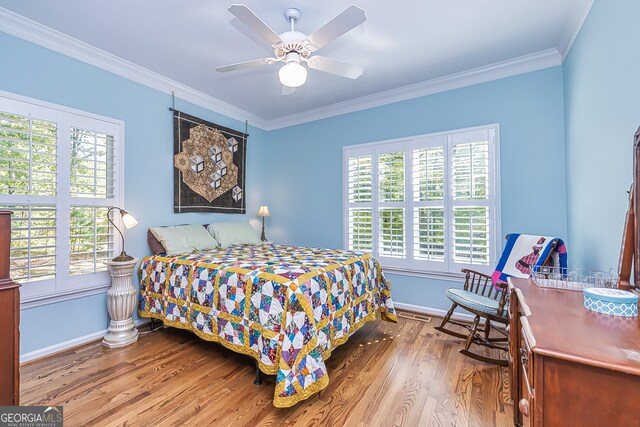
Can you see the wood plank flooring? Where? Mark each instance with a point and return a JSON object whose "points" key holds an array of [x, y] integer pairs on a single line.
{"points": [[404, 374]]}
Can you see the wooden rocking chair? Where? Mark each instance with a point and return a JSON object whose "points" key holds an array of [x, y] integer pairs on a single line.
{"points": [[480, 297]]}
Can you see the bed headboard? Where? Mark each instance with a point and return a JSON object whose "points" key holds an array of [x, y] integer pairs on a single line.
{"points": [[155, 246]]}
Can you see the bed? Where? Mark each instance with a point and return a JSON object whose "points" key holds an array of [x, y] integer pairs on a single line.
{"points": [[287, 307]]}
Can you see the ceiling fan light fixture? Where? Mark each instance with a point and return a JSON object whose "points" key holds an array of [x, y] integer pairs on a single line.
{"points": [[292, 74]]}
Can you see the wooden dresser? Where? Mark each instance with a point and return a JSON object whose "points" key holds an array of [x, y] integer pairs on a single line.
{"points": [[571, 366], [9, 321]]}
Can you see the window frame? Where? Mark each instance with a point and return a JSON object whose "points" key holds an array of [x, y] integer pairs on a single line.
{"points": [[447, 270], [65, 286]]}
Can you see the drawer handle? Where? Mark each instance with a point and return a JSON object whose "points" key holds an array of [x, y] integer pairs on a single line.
{"points": [[524, 407], [524, 355]]}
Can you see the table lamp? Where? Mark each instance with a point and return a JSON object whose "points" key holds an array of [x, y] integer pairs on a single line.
{"points": [[264, 211], [129, 222]]}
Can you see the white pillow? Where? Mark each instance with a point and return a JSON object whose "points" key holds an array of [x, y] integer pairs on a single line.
{"points": [[182, 239], [231, 233]]}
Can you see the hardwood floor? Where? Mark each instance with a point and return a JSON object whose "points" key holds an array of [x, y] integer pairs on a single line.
{"points": [[404, 374]]}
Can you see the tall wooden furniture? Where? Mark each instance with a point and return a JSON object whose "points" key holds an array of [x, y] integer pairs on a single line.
{"points": [[630, 250], [9, 321], [569, 365]]}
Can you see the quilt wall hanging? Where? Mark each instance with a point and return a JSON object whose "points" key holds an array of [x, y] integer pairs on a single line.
{"points": [[209, 166]]}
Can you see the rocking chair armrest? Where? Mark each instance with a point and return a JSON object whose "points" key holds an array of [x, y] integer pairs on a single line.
{"points": [[501, 285]]}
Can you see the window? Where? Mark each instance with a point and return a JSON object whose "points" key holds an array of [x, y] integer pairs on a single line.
{"points": [[425, 204], [59, 173]]}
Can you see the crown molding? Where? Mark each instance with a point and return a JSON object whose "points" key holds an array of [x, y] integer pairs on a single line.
{"points": [[572, 32], [499, 70], [34, 32]]}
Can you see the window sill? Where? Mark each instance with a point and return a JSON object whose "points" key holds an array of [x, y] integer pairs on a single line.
{"points": [[436, 275], [40, 300]]}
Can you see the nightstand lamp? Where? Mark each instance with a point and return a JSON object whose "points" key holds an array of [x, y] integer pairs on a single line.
{"points": [[129, 222], [121, 297], [264, 211]]}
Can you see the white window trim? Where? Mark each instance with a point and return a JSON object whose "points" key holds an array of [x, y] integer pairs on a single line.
{"points": [[66, 287], [377, 147]]}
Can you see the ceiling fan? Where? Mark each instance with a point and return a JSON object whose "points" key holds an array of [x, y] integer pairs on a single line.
{"points": [[294, 47]]}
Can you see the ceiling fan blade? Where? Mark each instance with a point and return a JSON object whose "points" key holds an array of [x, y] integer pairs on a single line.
{"points": [[251, 20], [347, 20], [286, 90], [246, 64], [333, 66]]}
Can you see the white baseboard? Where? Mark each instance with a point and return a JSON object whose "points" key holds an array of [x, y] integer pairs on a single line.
{"points": [[433, 311], [66, 345]]}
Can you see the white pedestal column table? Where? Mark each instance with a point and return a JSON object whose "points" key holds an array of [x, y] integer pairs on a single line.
{"points": [[121, 301]]}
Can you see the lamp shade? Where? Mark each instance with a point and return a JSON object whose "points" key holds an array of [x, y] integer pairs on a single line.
{"points": [[128, 220], [264, 211], [293, 74]]}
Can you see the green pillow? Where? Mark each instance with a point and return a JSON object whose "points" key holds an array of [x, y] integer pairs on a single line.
{"points": [[232, 233], [182, 239]]}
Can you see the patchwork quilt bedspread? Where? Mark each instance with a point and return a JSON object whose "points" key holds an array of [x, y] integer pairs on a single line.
{"points": [[288, 307]]}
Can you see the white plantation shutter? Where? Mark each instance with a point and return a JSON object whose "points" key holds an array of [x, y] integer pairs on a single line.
{"points": [[91, 240], [471, 235], [59, 173], [428, 200], [360, 229], [92, 164], [470, 193], [391, 233], [391, 216], [470, 171], [429, 234], [360, 184], [391, 177], [360, 196], [27, 156], [424, 204], [92, 182], [33, 242], [428, 174], [28, 165]]}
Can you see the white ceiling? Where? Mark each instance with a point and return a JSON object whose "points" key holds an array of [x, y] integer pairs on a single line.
{"points": [[402, 42]]}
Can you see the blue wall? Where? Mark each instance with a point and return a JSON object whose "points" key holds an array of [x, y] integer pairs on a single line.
{"points": [[42, 74], [305, 163], [602, 113]]}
